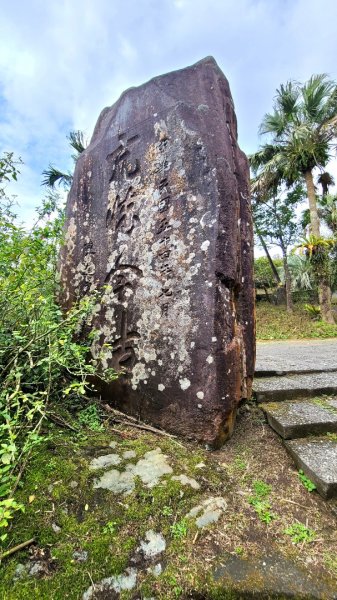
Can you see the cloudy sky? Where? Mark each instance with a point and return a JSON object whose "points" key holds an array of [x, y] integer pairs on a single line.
{"points": [[62, 62]]}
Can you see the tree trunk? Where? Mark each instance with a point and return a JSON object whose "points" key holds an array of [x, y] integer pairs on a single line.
{"points": [[314, 219], [272, 266], [324, 291], [324, 295], [287, 280]]}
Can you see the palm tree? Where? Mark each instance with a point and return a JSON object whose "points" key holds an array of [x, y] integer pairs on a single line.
{"points": [[303, 130], [53, 175]]}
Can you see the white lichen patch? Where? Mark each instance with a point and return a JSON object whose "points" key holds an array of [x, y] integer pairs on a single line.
{"points": [[209, 359], [184, 383], [108, 460], [200, 395], [209, 511], [155, 544], [161, 387], [116, 482], [151, 468], [204, 246], [126, 581], [129, 454], [184, 480]]}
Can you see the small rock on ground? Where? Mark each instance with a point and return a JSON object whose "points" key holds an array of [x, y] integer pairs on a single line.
{"points": [[209, 511], [127, 581], [154, 545]]}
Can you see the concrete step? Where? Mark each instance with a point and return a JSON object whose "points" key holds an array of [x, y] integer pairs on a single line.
{"points": [[287, 387], [317, 457], [301, 418], [295, 356]]}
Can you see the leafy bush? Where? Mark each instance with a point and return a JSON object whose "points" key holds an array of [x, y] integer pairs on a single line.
{"points": [[263, 274], [41, 359]]}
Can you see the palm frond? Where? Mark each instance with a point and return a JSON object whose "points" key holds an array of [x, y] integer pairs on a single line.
{"points": [[287, 98], [315, 92], [53, 176], [77, 141]]}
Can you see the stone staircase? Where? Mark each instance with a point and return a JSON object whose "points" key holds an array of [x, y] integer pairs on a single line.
{"points": [[296, 387]]}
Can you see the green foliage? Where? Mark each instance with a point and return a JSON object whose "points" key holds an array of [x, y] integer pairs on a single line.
{"points": [[53, 176], [260, 502], [110, 527], [167, 511], [318, 251], [274, 323], [275, 217], [263, 275], [179, 529], [42, 359], [313, 311], [8, 506], [90, 417], [261, 489], [299, 533], [301, 131], [300, 272], [308, 484], [8, 167]]}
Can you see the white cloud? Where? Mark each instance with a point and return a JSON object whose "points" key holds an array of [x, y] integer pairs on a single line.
{"points": [[62, 62]]}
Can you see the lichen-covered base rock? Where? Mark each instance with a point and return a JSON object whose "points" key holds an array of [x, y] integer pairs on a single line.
{"points": [[158, 218]]}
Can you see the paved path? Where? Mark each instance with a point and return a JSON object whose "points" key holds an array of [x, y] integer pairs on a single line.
{"points": [[296, 372], [291, 356]]}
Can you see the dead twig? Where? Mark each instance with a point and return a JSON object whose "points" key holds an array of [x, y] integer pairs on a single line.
{"points": [[292, 502], [17, 548], [60, 421], [129, 421], [119, 413]]}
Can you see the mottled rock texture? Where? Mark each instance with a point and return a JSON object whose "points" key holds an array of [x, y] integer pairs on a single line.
{"points": [[159, 212]]}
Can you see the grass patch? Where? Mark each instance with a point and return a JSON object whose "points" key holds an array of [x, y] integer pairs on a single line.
{"points": [[275, 323]]}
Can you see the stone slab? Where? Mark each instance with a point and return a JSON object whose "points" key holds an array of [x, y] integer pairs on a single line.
{"points": [[296, 356], [287, 387], [301, 418], [270, 577], [159, 219], [318, 459]]}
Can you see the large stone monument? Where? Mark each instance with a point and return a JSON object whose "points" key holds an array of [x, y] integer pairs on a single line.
{"points": [[159, 214]]}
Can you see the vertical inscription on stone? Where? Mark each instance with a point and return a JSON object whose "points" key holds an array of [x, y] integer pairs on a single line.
{"points": [[157, 211], [165, 247], [123, 218]]}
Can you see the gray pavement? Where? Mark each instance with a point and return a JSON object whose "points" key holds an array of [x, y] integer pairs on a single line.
{"points": [[296, 356], [302, 385]]}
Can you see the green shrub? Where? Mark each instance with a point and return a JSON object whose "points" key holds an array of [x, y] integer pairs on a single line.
{"points": [[41, 361]]}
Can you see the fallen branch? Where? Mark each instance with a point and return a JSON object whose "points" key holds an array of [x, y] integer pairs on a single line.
{"points": [[119, 413], [60, 421], [129, 421], [17, 548], [292, 502]]}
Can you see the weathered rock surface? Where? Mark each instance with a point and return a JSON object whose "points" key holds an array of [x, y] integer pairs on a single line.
{"points": [[159, 213]]}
